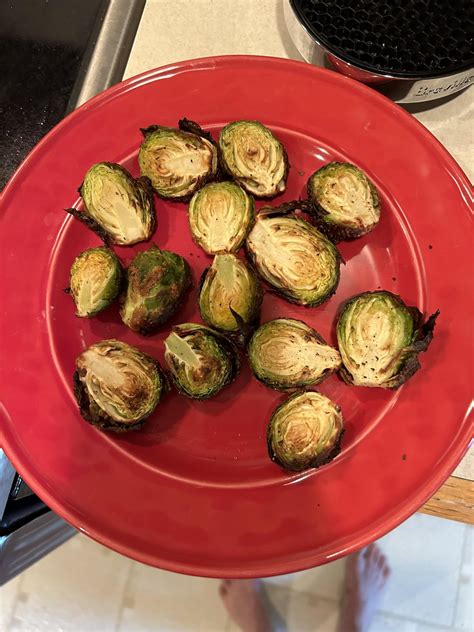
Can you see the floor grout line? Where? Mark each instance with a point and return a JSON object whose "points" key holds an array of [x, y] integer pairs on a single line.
{"points": [[467, 534], [398, 617], [309, 593], [15, 603], [126, 586], [314, 595]]}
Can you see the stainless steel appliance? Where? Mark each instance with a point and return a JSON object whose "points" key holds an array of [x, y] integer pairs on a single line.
{"points": [[412, 50]]}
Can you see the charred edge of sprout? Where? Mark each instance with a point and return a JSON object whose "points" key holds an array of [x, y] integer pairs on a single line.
{"points": [[338, 232], [421, 342], [91, 224], [291, 299], [202, 278], [287, 208], [185, 199], [190, 127], [185, 125], [245, 330], [335, 233], [100, 419], [274, 384], [307, 207], [422, 336], [311, 210], [264, 198], [318, 461], [145, 191], [268, 198], [229, 346], [146, 131], [230, 349]]}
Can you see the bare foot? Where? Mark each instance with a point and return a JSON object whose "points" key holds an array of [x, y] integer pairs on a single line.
{"points": [[244, 600], [367, 572]]}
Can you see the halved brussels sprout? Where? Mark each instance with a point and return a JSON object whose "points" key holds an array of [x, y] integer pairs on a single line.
{"points": [[201, 361], [230, 296], [254, 158], [116, 206], [379, 338], [157, 282], [95, 280], [177, 162], [293, 256], [305, 431], [286, 354], [117, 386], [346, 203], [220, 217]]}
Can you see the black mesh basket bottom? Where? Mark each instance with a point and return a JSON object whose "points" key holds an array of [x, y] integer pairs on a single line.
{"points": [[404, 38]]}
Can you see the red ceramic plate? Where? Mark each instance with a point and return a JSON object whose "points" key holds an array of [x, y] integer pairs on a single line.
{"points": [[195, 491]]}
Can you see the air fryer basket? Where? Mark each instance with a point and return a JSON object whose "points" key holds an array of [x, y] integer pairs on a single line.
{"points": [[392, 39]]}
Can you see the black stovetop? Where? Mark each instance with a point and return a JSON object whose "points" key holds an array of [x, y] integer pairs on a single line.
{"points": [[44, 46]]}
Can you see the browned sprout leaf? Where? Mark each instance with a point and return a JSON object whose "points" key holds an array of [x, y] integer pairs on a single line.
{"points": [[305, 431], [117, 386], [345, 202], [379, 339]]}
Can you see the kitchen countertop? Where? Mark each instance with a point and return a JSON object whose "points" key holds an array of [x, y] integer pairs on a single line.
{"points": [[247, 27]]}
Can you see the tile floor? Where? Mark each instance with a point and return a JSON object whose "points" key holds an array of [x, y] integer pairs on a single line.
{"points": [[84, 587]]}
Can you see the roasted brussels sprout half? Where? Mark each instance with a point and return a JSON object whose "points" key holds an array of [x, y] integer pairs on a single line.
{"points": [[116, 206], [201, 361], [299, 262], [220, 217], [379, 338], [346, 203], [254, 158], [95, 281], [177, 162], [230, 296], [156, 284], [305, 431], [117, 386], [287, 354]]}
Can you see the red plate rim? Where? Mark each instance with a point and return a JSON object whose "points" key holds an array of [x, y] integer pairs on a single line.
{"points": [[380, 527], [200, 62]]}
